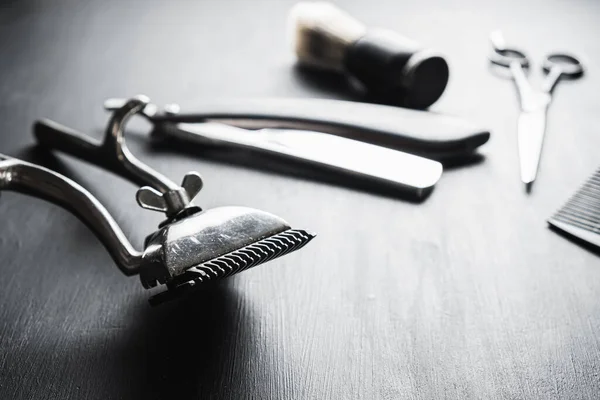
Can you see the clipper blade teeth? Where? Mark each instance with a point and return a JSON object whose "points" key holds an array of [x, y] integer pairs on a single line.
{"points": [[236, 261]]}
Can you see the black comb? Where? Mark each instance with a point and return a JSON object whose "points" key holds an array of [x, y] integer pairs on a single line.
{"points": [[580, 216]]}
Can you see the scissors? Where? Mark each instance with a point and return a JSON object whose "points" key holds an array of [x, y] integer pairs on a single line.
{"points": [[534, 102]]}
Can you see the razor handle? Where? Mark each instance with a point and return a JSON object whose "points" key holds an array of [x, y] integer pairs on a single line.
{"points": [[428, 134]]}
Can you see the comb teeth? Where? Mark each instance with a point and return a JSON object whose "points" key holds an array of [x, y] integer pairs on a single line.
{"points": [[236, 261], [580, 216]]}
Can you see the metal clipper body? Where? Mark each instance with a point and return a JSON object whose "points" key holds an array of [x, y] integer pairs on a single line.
{"points": [[190, 247]]}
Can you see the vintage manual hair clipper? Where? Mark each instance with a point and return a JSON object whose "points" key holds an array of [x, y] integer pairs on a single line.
{"points": [[190, 247]]}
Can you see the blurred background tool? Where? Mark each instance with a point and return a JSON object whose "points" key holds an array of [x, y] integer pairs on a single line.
{"points": [[380, 166], [534, 102], [391, 67], [580, 216]]}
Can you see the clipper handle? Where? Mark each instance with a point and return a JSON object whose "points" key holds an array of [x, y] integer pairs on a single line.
{"points": [[112, 154], [23, 177], [52, 135], [157, 192]]}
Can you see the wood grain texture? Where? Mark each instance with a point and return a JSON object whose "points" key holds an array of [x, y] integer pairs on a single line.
{"points": [[467, 295]]}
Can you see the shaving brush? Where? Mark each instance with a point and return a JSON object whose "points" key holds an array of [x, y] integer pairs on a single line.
{"points": [[390, 66]]}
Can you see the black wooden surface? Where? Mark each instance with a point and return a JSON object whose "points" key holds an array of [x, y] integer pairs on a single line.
{"points": [[467, 295]]}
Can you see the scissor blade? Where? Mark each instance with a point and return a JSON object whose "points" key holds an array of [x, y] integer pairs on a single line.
{"points": [[532, 125]]}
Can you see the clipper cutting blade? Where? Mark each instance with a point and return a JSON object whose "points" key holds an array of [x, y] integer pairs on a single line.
{"points": [[236, 261]]}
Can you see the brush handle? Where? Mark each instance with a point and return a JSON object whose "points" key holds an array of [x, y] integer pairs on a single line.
{"points": [[397, 70], [428, 134]]}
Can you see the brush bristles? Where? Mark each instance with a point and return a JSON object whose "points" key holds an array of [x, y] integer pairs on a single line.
{"points": [[321, 34], [237, 261]]}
